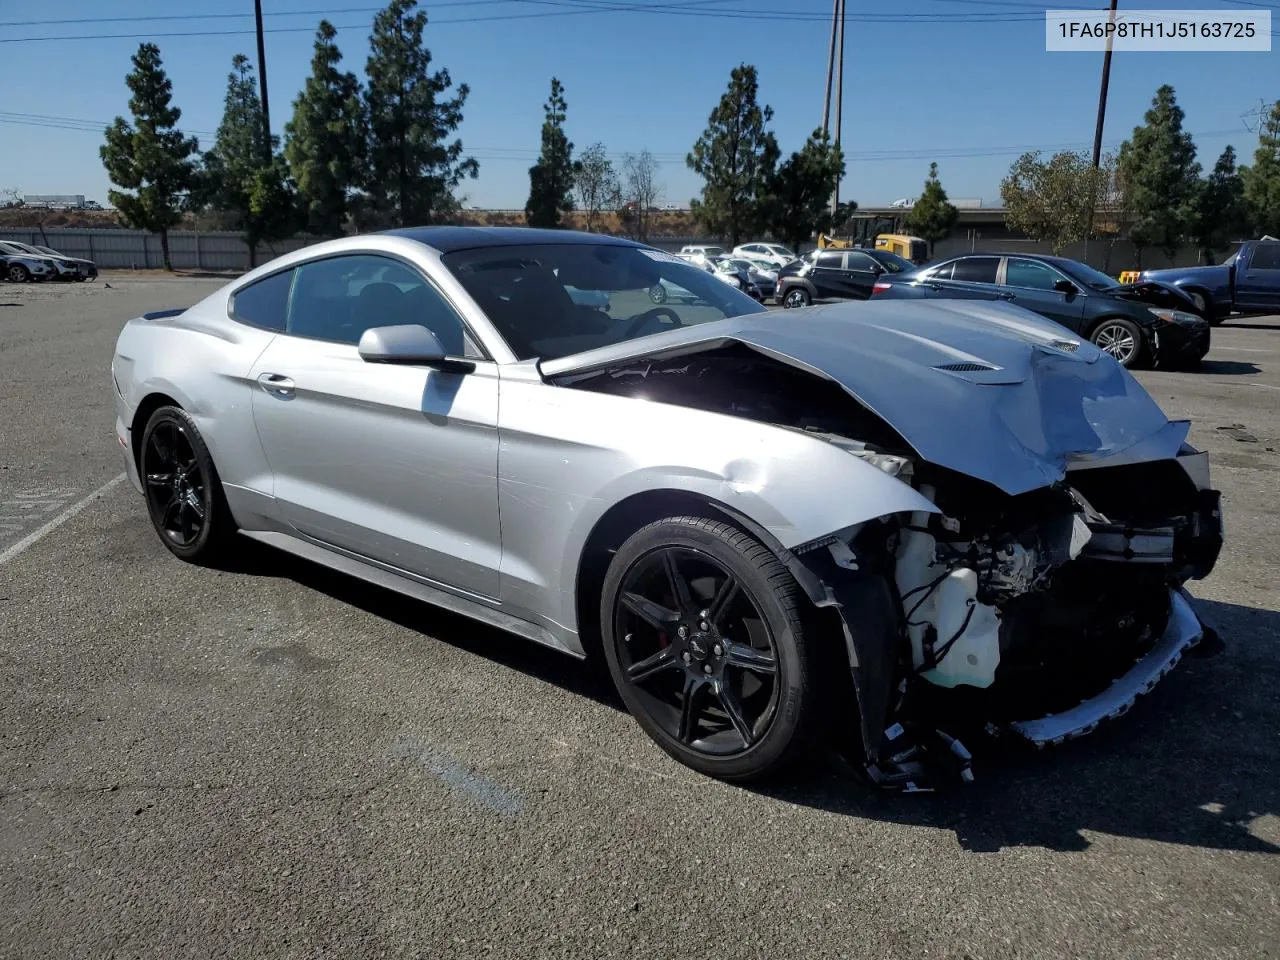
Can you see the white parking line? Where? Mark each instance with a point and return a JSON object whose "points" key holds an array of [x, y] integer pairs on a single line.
{"points": [[1217, 347], [1264, 386], [40, 532]]}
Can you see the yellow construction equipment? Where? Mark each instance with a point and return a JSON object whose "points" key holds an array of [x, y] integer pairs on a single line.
{"points": [[831, 243], [909, 248], [1129, 276]]}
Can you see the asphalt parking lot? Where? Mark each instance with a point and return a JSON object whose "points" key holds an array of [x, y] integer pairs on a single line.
{"points": [[277, 762]]}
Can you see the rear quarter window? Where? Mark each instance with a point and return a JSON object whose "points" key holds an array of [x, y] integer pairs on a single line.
{"points": [[265, 303]]}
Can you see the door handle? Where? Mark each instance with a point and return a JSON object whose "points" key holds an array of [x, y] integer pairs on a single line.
{"points": [[277, 385], [1005, 296], [935, 286]]}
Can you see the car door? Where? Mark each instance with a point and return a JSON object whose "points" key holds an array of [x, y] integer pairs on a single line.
{"points": [[395, 464], [1030, 284], [861, 272], [828, 274], [1258, 284]]}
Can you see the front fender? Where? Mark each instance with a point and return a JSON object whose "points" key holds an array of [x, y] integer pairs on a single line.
{"points": [[568, 457]]}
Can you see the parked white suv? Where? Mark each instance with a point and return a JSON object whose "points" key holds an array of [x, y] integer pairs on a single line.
{"points": [[775, 253], [700, 253]]}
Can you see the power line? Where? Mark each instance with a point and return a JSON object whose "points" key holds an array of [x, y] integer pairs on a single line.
{"points": [[582, 7]]}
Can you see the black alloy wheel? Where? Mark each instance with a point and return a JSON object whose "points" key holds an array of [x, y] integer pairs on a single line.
{"points": [[184, 499], [704, 641], [795, 298]]}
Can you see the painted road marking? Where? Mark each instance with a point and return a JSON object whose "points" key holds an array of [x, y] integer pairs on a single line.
{"points": [[19, 510], [42, 531]]}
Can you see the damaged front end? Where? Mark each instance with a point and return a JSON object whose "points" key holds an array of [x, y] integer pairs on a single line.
{"points": [[1036, 616]]}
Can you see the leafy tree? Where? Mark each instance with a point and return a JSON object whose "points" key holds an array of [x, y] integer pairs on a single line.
{"points": [[551, 178], [1218, 212], [932, 216], [150, 156], [596, 184], [1162, 176], [325, 140], [1053, 200], [640, 192], [799, 197], [1262, 180], [256, 193], [736, 157], [413, 168]]}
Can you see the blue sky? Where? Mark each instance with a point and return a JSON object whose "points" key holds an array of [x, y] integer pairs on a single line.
{"points": [[938, 84]]}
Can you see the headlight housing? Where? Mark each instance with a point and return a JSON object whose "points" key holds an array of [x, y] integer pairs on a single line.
{"points": [[1169, 315]]}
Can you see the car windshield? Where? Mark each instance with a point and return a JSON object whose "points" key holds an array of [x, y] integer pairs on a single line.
{"points": [[524, 290], [25, 247], [893, 262], [1087, 275], [47, 250]]}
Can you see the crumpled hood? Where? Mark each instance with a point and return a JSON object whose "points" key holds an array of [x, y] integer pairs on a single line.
{"points": [[985, 388]]}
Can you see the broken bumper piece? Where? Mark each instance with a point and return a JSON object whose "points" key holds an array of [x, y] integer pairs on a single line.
{"points": [[1183, 632]]}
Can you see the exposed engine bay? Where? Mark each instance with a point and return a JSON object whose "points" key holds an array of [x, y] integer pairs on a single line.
{"points": [[1036, 615]]}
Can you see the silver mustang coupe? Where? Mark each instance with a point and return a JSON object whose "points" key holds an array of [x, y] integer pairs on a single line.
{"points": [[878, 525]]}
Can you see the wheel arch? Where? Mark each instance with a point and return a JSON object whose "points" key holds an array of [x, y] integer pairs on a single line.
{"points": [[146, 407]]}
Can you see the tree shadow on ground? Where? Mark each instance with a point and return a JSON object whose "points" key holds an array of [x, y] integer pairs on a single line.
{"points": [[1195, 762]]}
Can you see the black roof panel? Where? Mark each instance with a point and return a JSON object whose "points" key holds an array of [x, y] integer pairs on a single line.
{"points": [[449, 239]]}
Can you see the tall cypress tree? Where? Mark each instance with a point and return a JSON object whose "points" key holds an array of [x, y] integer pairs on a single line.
{"points": [[551, 178], [1161, 176], [325, 139], [150, 156], [413, 167], [933, 215], [256, 193], [1262, 180], [735, 156]]}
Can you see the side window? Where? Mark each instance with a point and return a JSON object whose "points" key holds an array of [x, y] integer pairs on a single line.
{"points": [[264, 304], [1029, 273], [1266, 256], [339, 298], [860, 261], [830, 260], [941, 273], [976, 269]]}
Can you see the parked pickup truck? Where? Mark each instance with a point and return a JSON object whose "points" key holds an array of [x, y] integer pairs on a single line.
{"points": [[1248, 281]]}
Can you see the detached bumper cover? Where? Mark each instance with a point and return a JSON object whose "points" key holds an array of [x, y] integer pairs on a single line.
{"points": [[1182, 633]]}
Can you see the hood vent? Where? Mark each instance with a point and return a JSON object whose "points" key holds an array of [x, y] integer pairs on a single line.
{"points": [[1066, 346], [965, 367]]}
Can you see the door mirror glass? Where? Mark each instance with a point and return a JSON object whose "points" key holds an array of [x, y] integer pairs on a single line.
{"points": [[1065, 286], [408, 343]]}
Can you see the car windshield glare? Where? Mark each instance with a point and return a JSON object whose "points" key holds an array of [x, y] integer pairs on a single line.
{"points": [[1089, 276], [553, 300]]}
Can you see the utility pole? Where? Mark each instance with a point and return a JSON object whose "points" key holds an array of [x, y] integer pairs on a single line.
{"points": [[839, 21], [831, 64], [262, 84], [1102, 114]]}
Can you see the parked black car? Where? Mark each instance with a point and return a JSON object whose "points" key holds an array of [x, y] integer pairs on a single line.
{"points": [[1137, 323], [850, 274]]}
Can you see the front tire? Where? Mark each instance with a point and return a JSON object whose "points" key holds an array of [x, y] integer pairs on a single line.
{"points": [[658, 293], [796, 297], [1122, 339], [704, 639], [184, 496], [18, 273]]}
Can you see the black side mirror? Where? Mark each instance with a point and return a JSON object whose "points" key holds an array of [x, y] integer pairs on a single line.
{"points": [[1066, 286]]}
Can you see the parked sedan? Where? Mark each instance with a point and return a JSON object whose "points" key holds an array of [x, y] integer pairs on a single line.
{"points": [[21, 266], [826, 274], [776, 531], [1137, 323], [88, 270], [64, 268], [759, 283], [774, 253]]}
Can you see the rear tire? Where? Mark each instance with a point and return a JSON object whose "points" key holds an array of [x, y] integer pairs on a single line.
{"points": [[658, 293], [704, 639], [184, 495]]}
